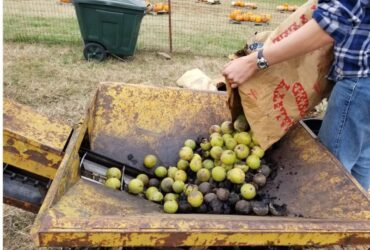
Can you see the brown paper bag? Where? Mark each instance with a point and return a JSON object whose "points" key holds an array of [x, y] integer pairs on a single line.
{"points": [[275, 98]]}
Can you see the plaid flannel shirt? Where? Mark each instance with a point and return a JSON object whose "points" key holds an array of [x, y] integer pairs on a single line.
{"points": [[348, 22]]}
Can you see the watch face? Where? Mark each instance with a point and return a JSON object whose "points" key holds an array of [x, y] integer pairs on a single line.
{"points": [[261, 65], [261, 61]]}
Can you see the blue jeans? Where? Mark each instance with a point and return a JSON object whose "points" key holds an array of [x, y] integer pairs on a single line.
{"points": [[345, 130]]}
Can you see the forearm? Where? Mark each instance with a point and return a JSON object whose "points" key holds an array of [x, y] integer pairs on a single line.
{"points": [[306, 39]]}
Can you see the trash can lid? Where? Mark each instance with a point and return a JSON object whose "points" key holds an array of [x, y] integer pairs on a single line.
{"points": [[128, 4]]}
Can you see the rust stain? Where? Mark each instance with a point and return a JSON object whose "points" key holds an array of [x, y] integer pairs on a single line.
{"points": [[21, 204], [106, 101], [183, 239], [7, 118], [47, 148], [11, 149], [354, 240], [81, 240], [10, 141], [38, 157], [55, 165]]}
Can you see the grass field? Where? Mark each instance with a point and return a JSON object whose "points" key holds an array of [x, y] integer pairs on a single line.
{"points": [[198, 28], [57, 81]]}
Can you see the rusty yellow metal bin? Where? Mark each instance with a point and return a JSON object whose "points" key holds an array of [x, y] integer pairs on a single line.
{"points": [[32, 141], [33, 148], [125, 122]]}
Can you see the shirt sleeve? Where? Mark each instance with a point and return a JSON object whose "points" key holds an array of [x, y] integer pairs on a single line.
{"points": [[335, 18], [365, 3]]}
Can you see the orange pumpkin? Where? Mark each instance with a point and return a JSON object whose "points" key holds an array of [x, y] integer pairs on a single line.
{"points": [[159, 6], [166, 7], [239, 18], [252, 18], [234, 13], [156, 8], [245, 17], [264, 18], [258, 19]]}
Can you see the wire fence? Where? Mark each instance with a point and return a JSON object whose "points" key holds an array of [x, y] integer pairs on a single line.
{"points": [[198, 27]]}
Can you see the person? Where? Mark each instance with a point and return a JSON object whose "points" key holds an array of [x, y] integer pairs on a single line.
{"points": [[345, 129]]}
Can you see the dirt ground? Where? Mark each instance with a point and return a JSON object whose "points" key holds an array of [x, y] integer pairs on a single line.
{"points": [[58, 82]]}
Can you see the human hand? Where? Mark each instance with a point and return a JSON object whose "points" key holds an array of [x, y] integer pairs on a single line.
{"points": [[238, 71]]}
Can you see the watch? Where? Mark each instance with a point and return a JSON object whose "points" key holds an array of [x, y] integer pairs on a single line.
{"points": [[261, 61]]}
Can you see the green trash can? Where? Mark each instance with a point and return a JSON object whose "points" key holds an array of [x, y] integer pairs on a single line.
{"points": [[109, 26]]}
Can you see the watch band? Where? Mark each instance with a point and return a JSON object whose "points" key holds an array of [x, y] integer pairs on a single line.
{"points": [[260, 54]]}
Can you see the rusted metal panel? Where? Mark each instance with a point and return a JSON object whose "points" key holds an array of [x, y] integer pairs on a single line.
{"points": [[312, 182], [30, 207], [32, 141], [67, 175], [131, 121], [309, 180], [90, 116], [27, 156], [177, 239], [92, 215], [37, 128]]}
